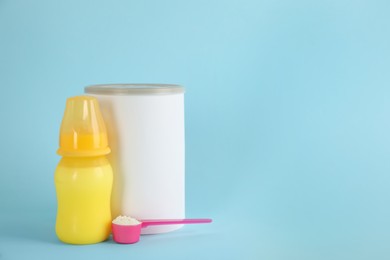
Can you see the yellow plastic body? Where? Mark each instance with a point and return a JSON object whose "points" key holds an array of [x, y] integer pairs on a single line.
{"points": [[83, 186]]}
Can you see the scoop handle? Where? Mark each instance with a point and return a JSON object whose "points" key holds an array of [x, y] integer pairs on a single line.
{"points": [[155, 222]]}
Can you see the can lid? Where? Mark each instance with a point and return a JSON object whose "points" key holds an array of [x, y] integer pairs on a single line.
{"points": [[134, 89]]}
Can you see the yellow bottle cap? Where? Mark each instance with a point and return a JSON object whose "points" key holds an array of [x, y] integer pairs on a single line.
{"points": [[83, 132]]}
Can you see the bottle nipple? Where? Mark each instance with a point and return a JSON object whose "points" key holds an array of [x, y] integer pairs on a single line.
{"points": [[82, 131]]}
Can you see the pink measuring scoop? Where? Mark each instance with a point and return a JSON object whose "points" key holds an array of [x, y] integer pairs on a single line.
{"points": [[129, 234]]}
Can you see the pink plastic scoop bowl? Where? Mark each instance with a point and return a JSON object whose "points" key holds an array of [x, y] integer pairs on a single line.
{"points": [[129, 234]]}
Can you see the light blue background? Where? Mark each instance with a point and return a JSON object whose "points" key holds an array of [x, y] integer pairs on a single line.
{"points": [[287, 120]]}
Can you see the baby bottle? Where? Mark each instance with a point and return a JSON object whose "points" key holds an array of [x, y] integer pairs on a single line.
{"points": [[83, 178]]}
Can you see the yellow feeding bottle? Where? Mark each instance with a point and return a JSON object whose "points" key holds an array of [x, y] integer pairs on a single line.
{"points": [[83, 177]]}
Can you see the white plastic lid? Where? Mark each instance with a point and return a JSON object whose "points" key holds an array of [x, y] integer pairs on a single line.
{"points": [[134, 89]]}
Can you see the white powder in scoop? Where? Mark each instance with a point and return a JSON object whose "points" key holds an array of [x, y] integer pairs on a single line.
{"points": [[125, 221]]}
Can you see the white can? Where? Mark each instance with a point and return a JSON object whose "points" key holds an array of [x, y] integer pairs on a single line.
{"points": [[145, 124]]}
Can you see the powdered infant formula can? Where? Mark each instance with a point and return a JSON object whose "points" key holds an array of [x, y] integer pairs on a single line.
{"points": [[145, 125]]}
